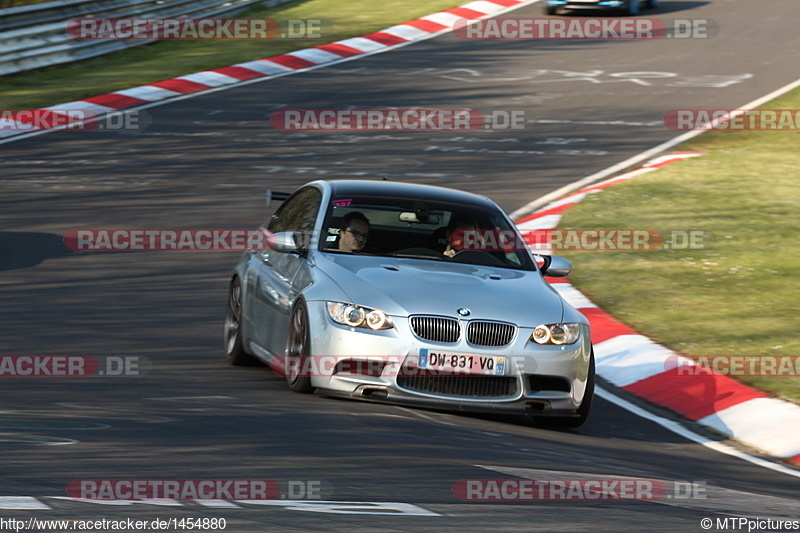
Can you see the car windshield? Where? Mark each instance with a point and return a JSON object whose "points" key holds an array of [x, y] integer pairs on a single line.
{"points": [[422, 229]]}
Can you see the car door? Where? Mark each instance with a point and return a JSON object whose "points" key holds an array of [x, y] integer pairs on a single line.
{"points": [[275, 291]]}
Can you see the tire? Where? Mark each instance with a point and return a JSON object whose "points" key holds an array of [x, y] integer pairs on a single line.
{"points": [[633, 7], [550, 10], [652, 4], [234, 349], [583, 411], [297, 345]]}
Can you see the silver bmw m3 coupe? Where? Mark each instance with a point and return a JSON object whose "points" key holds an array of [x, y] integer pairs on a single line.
{"points": [[414, 295]]}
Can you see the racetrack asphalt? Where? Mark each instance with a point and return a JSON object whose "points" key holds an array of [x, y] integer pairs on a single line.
{"points": [[205, 162]]}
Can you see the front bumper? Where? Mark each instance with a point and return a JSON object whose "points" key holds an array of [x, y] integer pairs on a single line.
{"points": [[523, 406], [531, 366]]}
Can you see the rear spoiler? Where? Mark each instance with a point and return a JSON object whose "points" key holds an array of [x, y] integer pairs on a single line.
{"points": [[277, 196]]}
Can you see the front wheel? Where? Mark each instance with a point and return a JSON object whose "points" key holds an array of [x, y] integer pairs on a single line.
{"points": [[550, 10], [297, 347]]}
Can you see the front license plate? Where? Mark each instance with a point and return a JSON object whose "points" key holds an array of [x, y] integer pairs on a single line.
{"points": [[462, 363]]}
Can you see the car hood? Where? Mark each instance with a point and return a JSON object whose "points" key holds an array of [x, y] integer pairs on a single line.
{"points": [[402, 287]]}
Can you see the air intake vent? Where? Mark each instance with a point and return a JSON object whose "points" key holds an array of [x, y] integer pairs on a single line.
{"points": [[539, 382], [461, 385]]}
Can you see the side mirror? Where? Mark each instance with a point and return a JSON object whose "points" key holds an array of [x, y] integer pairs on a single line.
{"points": [[285, 241], [556, 266]]}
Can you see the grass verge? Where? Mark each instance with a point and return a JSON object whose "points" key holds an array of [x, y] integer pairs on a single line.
{"points": [[738, 297], [5, 4], [168, 59]]}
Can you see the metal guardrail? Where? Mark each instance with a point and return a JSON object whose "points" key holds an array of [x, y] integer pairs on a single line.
{"points": [[35, 36]]}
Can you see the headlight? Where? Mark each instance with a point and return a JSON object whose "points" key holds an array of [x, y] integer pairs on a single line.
{"points": [[556, 333], [359, 317]]}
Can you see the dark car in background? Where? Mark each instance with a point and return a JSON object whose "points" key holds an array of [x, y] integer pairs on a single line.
{"points": [[629, 7]]}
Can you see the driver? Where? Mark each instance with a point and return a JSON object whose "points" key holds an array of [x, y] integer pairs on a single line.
{"points": [[353, 232]]}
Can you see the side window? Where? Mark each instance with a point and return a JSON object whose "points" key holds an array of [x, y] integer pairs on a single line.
{"points": [[299, 212]]}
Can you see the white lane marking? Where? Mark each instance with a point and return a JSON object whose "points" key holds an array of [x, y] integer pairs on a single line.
{"points": [[21, 503], [145, 501], [686, 433], [314, 506]]}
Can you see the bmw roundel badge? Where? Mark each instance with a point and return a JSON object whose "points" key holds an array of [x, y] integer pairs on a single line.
{"points": [[463, 311]]}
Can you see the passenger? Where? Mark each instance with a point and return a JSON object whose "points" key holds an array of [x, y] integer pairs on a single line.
{"points": [[456, 230]]}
